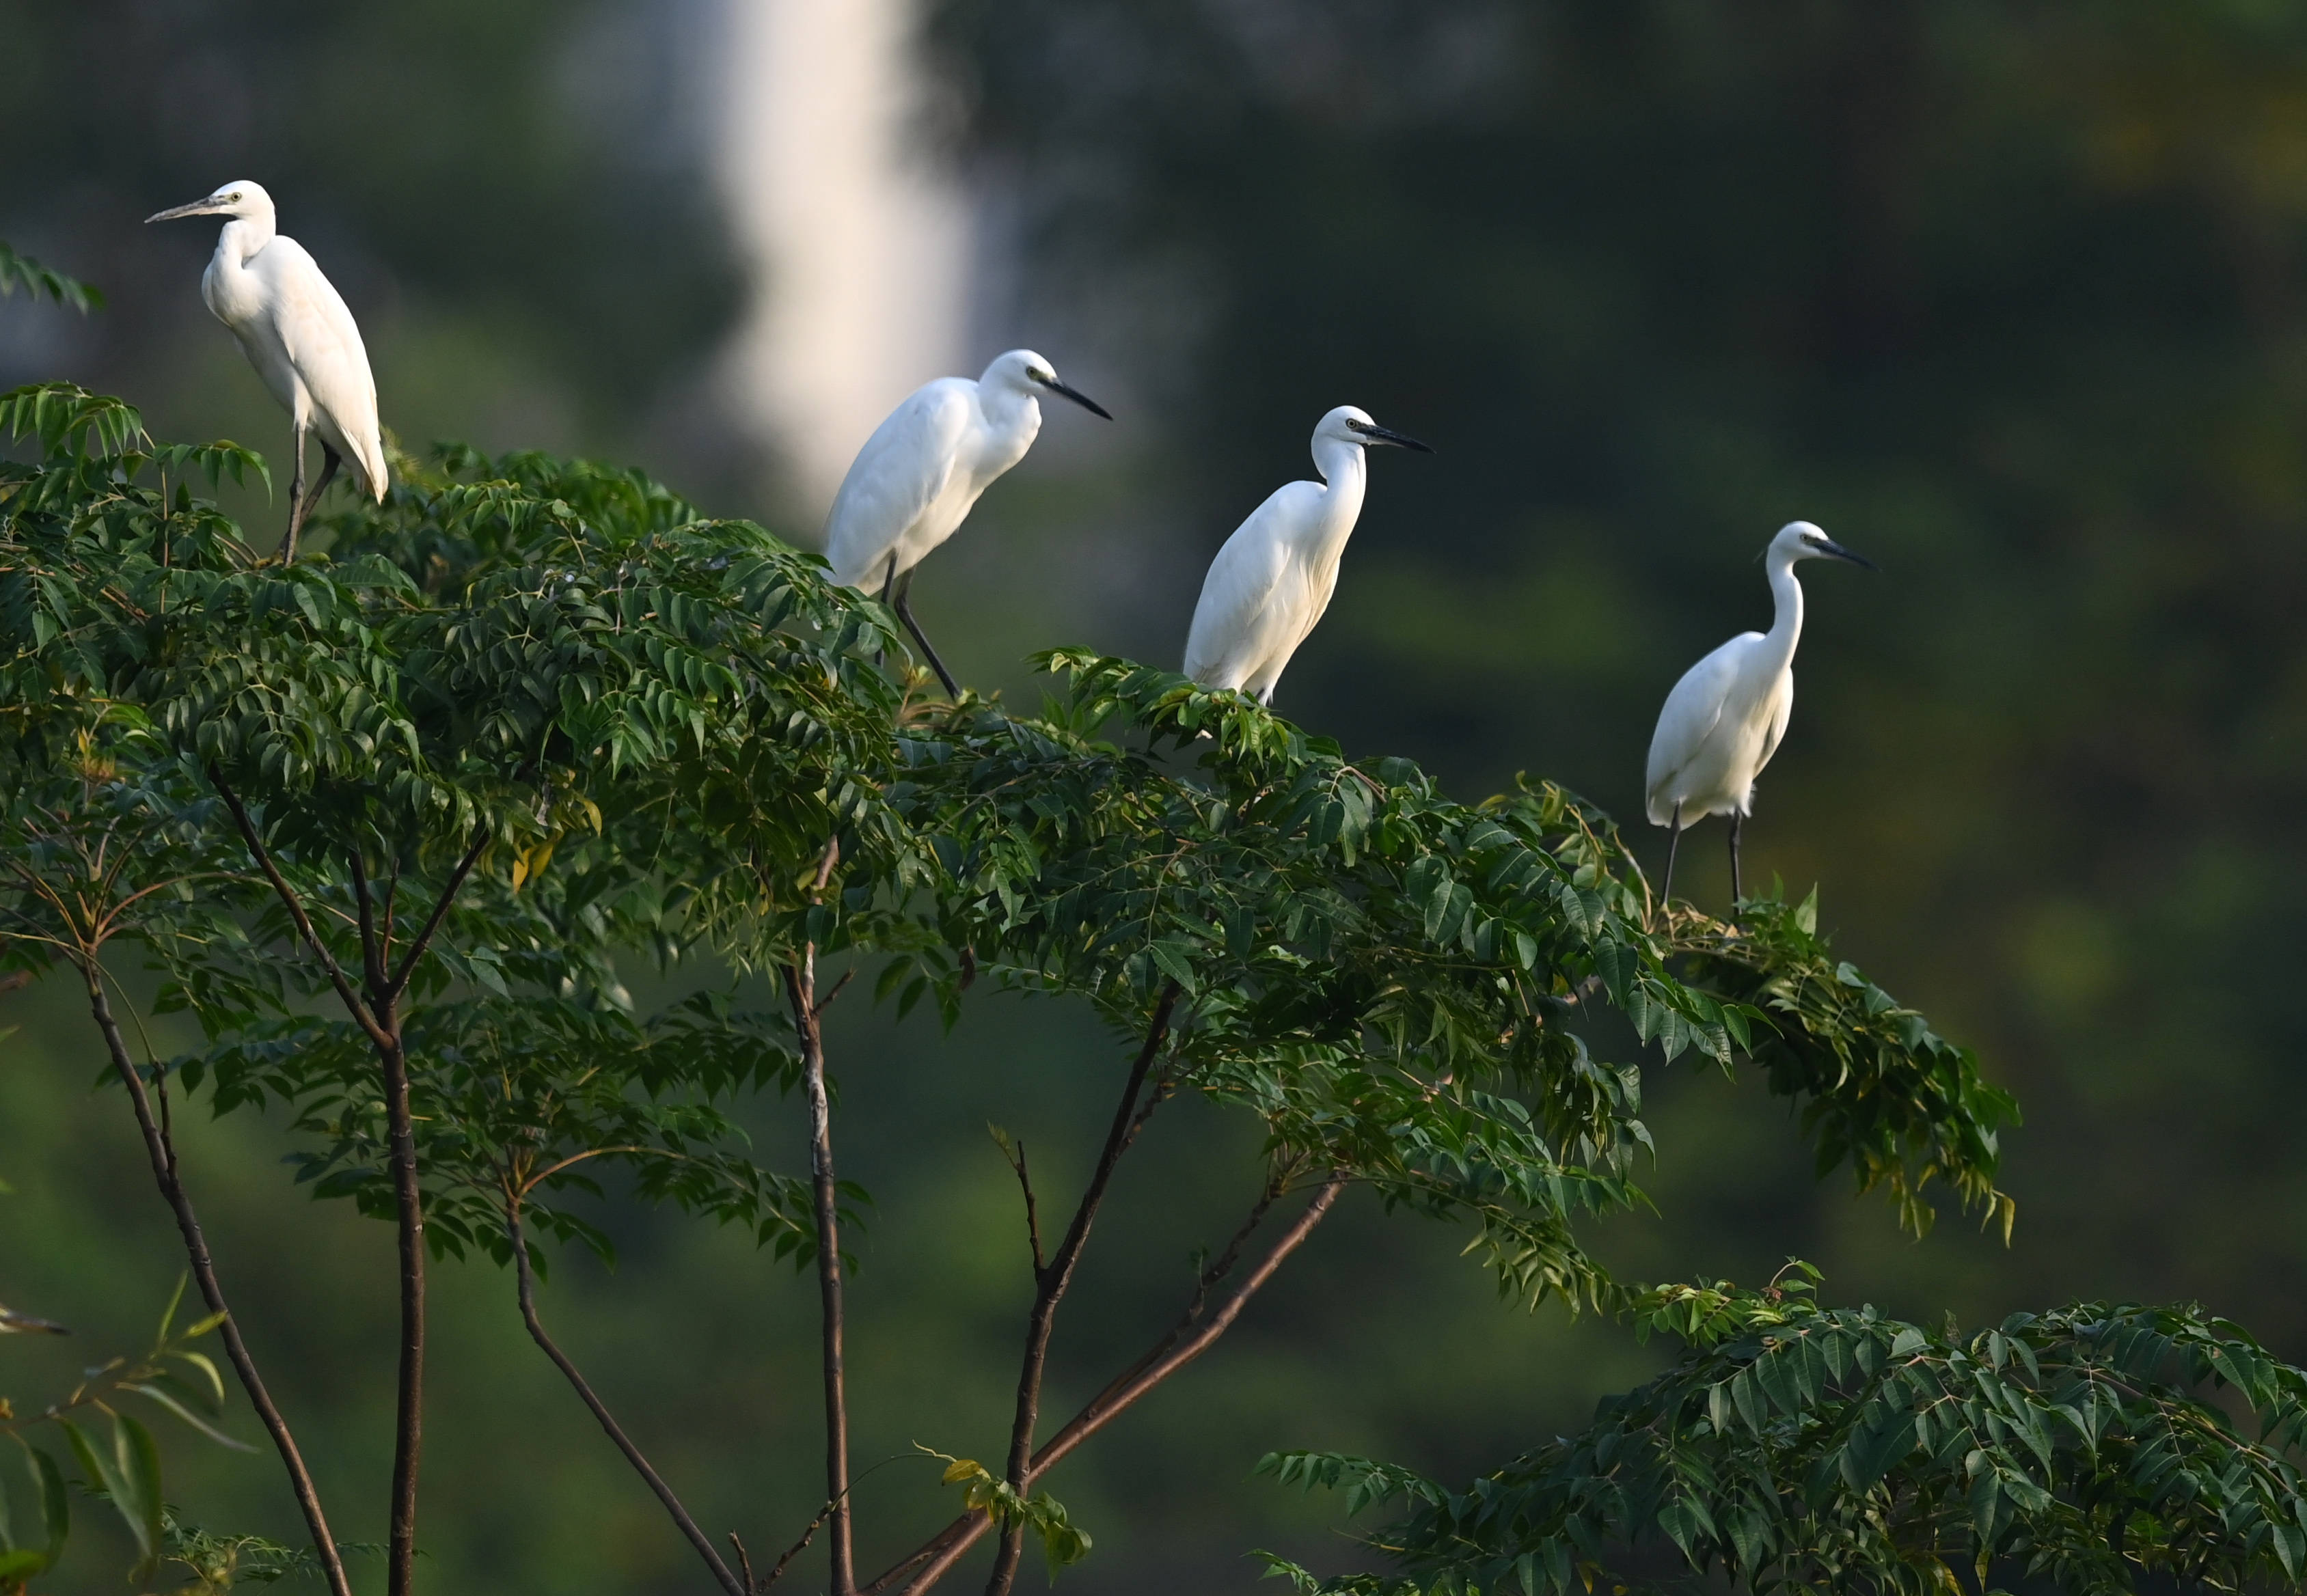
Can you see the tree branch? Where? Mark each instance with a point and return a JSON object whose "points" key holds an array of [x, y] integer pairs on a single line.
{"points": [[423, 939], [287, 895], [383, 1030], [801, 992], [371, 956], [160, 1149], [409, 1213], [687, 1525], [1186, 1341], [794, 1551], [1033, 1216], [1050, 1280]]}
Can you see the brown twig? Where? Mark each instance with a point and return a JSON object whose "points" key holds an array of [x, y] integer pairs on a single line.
{"points": [[688, 1526], [1016, 1160], [379, 1018], [1051, 1279], [1186, 1341], [795, 1549], [289, 901], [801, 992], [825, 1001], [160, 1149], [423, 939]]}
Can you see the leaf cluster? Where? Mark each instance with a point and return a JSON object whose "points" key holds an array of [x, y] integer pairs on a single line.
{"points": [[1399, 984], [1904, 1105], [23, 271], [1063, 1543], [172, 1376], [1804, 1448]]}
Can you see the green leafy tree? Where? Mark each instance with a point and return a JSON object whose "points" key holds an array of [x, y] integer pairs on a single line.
{"points": [[393, 824], [1804, 1448]]}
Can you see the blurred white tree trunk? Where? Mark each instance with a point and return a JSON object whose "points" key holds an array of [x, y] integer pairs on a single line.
{"points": [[860, 249]]}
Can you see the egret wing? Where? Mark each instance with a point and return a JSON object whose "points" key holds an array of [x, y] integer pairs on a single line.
{"points": [[1691, 711], [1782, 709], [323, 345], [1237, 618], [903, 469]]}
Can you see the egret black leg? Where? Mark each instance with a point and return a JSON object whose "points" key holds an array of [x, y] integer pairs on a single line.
{"points": [[1673, 842], [1737, 891], [888, 586], [905, 614], [295, 499], [330, 464]]}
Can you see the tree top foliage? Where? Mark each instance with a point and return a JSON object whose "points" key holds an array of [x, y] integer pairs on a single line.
{"points": [[641, 730], [1799, 1447], [427, 798]]}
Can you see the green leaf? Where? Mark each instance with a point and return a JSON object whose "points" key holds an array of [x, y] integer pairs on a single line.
{"points": [[140, 1499], [56, 1503]]}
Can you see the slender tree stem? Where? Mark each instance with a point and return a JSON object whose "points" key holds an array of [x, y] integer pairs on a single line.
{"points": [[801, 992], [380, 1019], [301, 920], [1051, 1279], [688, 1526], [423, 939], [408, 1204], [160, 1148], [1187, 1340]]}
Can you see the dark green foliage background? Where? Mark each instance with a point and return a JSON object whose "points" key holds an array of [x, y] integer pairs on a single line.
{"points": [[2003, 295]]}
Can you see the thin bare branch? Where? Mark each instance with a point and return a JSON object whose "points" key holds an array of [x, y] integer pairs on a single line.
{"points": [[795, 1549], [303, 921], [687, 1525], [1016, 1160], [423, 939], [372, 954], [801, 992], [1051, 1279], [160, 1149], [1187, 1340], [825, 1001]]}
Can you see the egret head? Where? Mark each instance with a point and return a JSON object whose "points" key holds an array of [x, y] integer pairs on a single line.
{"points": [[240, 201], [1800, 540], [1350, 424], [1021, 371]]}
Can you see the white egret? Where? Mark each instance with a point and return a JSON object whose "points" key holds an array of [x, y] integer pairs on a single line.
{"points": [[296, 330], [1723, 720], [1273, 578], [914, 482]]}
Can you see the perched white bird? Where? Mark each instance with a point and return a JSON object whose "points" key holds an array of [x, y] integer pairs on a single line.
{"points": [[1273, 578], [293, 326], [1723, 720], [914, 482]]}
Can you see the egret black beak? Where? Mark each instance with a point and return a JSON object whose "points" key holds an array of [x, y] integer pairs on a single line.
{"points": [[1385, 435], [207, 207], [1827, 545], [1075, 394]]}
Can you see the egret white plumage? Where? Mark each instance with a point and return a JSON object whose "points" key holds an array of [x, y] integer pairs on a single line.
{"points": [[919, 474], [1273, 578], [1723, 720], [295, 329]]}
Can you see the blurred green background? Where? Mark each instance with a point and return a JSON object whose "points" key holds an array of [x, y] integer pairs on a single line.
{"points": [[2006, 295]]}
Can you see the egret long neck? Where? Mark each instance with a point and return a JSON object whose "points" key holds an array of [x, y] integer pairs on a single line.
{"points": [[1345, 467], [1786, 624], [242, 238]]}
